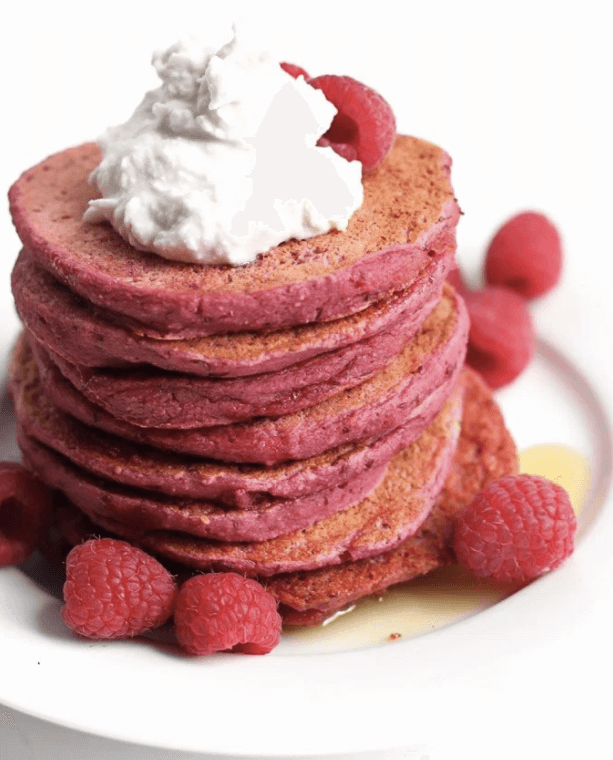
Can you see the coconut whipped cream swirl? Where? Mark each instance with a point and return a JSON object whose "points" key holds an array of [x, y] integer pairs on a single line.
{"points": [[220, 163]]}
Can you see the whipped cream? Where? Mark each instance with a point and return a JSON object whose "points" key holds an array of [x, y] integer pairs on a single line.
{"points": [[220, 163]]}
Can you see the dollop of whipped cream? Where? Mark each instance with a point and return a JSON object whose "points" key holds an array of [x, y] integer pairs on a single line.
{"points": [[220, 163]]}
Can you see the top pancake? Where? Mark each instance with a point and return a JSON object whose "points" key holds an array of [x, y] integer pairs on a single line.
{"points": [[407, 222]]}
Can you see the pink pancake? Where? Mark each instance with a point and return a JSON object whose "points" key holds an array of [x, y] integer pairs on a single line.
{"points": [[406, 223], [484, 453], [410, 390], [84, 335], [144, 511], [240, 486], [394, 510], [150, 397]]}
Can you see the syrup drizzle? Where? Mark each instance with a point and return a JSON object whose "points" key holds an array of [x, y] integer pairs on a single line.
{"points": [[444, 596]]}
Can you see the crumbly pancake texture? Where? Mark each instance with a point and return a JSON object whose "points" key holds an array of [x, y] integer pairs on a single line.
{"points": [[406, 223], [484, 453]]}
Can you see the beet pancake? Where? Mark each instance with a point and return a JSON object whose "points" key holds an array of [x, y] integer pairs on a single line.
{"points": [[150, 397], [412, 388], [145, 511], [393, 511], [484, 453], [236, 485], [406, 222], [84, 335]]}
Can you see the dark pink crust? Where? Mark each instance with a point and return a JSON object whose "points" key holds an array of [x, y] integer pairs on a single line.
{"points": [[147, 511], [80, 334], [484, 453], [394, 510], [408, 218], [408, 392]]}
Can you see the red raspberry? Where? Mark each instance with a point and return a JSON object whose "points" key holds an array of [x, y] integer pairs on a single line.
{"points": [[364, 127], [525, 255], [293, 70], [114, 590], [225, 611], [455, 279], [516, 528], [501, 338], [24, 513]]}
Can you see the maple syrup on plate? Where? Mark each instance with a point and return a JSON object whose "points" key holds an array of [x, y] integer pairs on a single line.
{"points": [[443, 596]]}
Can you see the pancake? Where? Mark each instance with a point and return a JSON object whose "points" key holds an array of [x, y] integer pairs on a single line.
{"points": [[150, 397], [393, 511], [72, 328], [236, 485], [405, 224], [412, 387], [484, 453], [141, 510]]}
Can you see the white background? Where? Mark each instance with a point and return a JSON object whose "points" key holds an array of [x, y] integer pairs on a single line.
{"points": [[519, 93]]}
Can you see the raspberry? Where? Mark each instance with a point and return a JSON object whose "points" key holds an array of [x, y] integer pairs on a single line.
{"points": [[455, 279], [114, 590], [525, 255], [225, 611], [501, 338], [364, 127], [24, 513], [294, 71], [516, 528]]}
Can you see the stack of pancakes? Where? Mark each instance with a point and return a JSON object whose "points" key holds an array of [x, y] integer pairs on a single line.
{"points": [[305, 419]]}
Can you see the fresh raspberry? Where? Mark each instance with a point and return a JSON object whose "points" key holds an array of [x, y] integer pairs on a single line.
{"points": [[216, 612], [24, 513], [364, 127], [114, 590], [515, 529], [501, 338], [454, 278], [294, 71], [525, 255]]}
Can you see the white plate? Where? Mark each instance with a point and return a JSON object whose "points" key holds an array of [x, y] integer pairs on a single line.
{"points": [[304, 699]]}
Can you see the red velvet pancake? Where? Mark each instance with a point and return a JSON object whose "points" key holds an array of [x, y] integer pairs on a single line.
{"points": [[75, 330], [236, 485], [406, 223], [485, 451], [150, 397], [140, 510], [394, 510], [412, 387]]}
